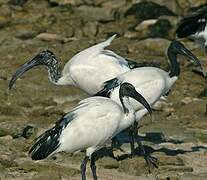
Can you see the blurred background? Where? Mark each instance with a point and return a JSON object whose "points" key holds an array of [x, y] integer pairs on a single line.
{"points": [[177, 137]]}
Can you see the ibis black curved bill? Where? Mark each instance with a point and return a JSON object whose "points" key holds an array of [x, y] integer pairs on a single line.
{"points": [[25, 67], [127, 89], [181, 49], [137, 96]]}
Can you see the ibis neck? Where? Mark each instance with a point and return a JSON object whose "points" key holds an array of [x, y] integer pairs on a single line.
{"points": [[174, 65], [129, 113], [54, 73], [127, 107]]}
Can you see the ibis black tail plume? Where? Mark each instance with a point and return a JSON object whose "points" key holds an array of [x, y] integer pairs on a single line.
{"points": [[45, 145]]}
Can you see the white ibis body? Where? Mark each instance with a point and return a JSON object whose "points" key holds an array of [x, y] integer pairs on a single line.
{"points": [[151, 82], [88, 126], [88, 69], [194, 25]]}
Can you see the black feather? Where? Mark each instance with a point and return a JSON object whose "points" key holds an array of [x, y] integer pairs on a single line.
{"points": [[48, 142], [111, 84], [132, 64], [193, 23], [108, 86], [148, 10]]}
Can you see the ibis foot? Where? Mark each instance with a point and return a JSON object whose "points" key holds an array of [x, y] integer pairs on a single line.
{"points": [[152, 162]]}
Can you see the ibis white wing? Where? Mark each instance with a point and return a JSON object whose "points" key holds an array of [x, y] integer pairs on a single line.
{"points": [[151, 82], [90, 68], [93, 125]]}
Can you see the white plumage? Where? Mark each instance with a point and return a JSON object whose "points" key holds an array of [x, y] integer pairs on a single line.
{"points": [[93, 66], [153, 83], [88, 126], [88, 69]]}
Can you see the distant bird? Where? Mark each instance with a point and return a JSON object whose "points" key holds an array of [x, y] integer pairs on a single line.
{"points": [[88, 126], [88, 69], [194, 25], [153, 83]]}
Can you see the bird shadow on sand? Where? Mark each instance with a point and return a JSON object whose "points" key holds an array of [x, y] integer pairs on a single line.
{"points": [[155, 138]]}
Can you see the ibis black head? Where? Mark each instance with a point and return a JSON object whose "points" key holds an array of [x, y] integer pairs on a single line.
{"points": [[176, 48], [179, 48], [46, 58], [128, 90]]}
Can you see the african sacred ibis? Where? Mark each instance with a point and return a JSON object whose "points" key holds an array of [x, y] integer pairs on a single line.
{"points": [[88, 126], [88, 69], [153, 83], [195, 25]]}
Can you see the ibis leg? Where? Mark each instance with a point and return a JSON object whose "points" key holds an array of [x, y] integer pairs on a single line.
{"points": [[151, 161], [133, 132], [93, 167], [83, 168], [115, 142]]}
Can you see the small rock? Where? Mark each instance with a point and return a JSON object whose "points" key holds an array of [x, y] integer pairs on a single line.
{"points": [[90, 29], [160, 105], [168, 176], [135, 166], [49, 37], [144, 25], [6, 138], [131, 34], [14, 128], [66, 2], [188, 100], [148, 10], [108, 163], [160, 29]]}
